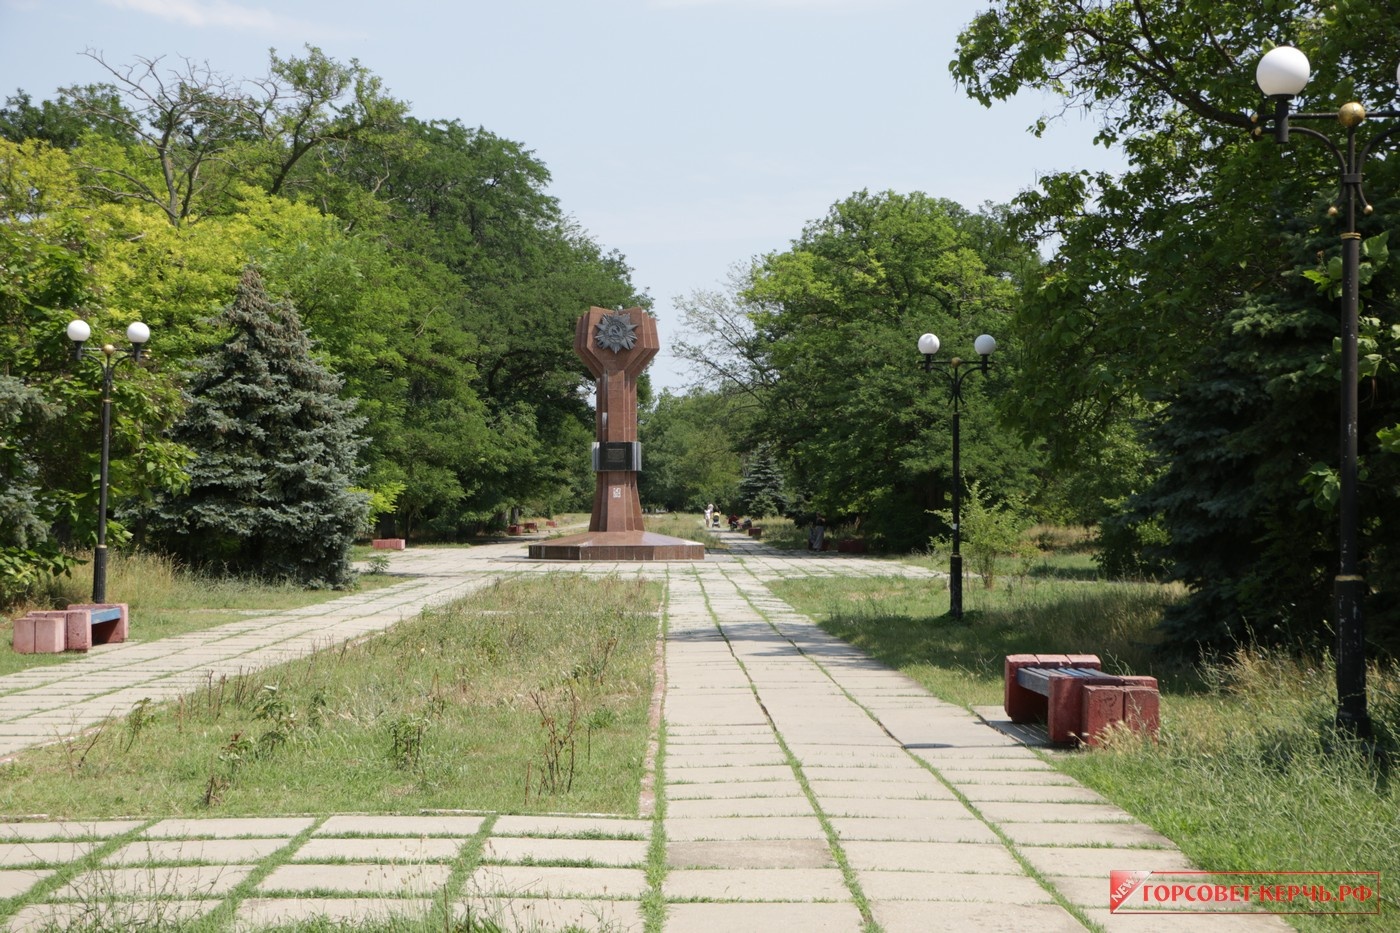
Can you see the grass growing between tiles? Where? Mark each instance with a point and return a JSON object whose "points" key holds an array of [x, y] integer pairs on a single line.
{"points": [[1247, 774], [531, 695]]}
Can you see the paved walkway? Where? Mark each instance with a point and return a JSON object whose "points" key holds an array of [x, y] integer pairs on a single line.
{"points": [[804, 787]]}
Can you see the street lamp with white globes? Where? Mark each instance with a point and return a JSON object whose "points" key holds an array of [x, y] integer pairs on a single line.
{"points": [[1282, 73], [106, 356], [985, 345]]}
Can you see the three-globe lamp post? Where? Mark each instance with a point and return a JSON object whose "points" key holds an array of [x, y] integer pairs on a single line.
{"points": [[107, 356], [1282, 74], [928, 346]]}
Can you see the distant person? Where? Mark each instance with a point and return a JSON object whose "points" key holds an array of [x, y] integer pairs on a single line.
{"points": [[816, 535], [709, 512]]}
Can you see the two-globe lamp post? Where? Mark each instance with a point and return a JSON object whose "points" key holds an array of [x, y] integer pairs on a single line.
{"points": [[107, 356], [1282, 74], [928, 346]]}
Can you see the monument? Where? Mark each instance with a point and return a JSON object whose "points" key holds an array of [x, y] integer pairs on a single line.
{"points": [[617, 346]]}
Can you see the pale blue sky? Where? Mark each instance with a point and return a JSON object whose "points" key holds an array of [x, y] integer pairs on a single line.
{"points": [[689, 134]]}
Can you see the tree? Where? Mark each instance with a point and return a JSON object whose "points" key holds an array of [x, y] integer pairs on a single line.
{"points": [[761, 490], [861, 433], [689, 450], [1159, 300], [470, 211], [270, 489], [427, 260], [720, 342], [196, 133], [27, 550], [62, 123]]}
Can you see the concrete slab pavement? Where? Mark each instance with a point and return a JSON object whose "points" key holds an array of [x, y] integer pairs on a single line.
{"points": [[803, 786]]}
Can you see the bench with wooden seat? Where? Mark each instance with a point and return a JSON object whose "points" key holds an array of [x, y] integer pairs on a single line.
{"points": [[1076, 699]]}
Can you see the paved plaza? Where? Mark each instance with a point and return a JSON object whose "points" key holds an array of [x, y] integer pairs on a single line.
{"points": [[803, 788]]}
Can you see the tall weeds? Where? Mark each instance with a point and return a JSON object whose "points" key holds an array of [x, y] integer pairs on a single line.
{"points": [[549, 676]]}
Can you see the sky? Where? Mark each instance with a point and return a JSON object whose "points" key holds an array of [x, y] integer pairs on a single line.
{"points": [[690, 135]]}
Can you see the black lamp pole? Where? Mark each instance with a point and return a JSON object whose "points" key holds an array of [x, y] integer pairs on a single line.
{"points": [[1282, 75], [107, 358], [928, 346]]}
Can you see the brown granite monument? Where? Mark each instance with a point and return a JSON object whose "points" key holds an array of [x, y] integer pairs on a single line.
{"points": [[617, 346]]}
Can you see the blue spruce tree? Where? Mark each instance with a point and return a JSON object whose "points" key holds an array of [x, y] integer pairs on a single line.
{"points": [[270, 489]]}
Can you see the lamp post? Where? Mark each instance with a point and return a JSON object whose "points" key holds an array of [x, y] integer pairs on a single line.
{"points": [[107, 356], [1282, 74], [928, 346]]}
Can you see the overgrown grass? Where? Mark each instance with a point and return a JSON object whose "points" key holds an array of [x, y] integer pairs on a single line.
{"points": [[1250, 774], [1247, 774], [785, 535], [531, 695], [687, 525], [904, 623], [165, 600], [782, 534]]}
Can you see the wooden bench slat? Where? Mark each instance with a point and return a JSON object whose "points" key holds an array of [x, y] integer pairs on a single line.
{"points": [[104, 615], [1038, 678]]}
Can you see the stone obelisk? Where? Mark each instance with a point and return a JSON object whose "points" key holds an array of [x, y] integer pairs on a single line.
{"points": [[617, 346]]}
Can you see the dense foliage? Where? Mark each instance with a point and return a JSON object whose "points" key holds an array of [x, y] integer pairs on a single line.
{"points": [[822, 338], [427, 261], [691, 447], [269, 493], [1196, 294]]}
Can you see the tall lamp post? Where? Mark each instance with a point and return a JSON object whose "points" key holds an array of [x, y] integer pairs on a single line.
{"points": [[107, 356], [1282, 74], [928, 346]]}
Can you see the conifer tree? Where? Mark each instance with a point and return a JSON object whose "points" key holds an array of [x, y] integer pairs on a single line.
{"points": [[276, 446], [761, 489]]}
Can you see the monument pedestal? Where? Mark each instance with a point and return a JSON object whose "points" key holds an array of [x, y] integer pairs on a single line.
{"points": [[618, 545]]}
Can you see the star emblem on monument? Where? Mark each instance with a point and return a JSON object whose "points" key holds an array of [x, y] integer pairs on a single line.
{"points": [[615, 332]]}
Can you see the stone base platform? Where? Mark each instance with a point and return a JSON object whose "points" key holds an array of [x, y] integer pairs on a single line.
{"points": [[618, 545]]}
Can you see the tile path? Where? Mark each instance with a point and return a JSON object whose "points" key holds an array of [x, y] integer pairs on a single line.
{"points": [[803, 784]]}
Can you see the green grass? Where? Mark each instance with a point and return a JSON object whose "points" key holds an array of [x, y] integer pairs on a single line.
{"points": [[1247, 774], [687, 525], [529, 696], [904, 623], [165, 600]]}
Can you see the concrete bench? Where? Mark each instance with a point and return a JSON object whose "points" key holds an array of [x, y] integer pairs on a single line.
{"points": [[388, 544], [1076, 699], [76, 628]]}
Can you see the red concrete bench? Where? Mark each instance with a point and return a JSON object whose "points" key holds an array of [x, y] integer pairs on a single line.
{"points": [[388, 544], [76, 628], [1076, 699], [532, 527]]}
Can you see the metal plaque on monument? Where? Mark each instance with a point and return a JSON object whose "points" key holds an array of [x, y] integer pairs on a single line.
{"points": [[617, 346]]}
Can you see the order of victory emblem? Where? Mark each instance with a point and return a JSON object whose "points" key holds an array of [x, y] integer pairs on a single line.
{"points": [[615, 332]]}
